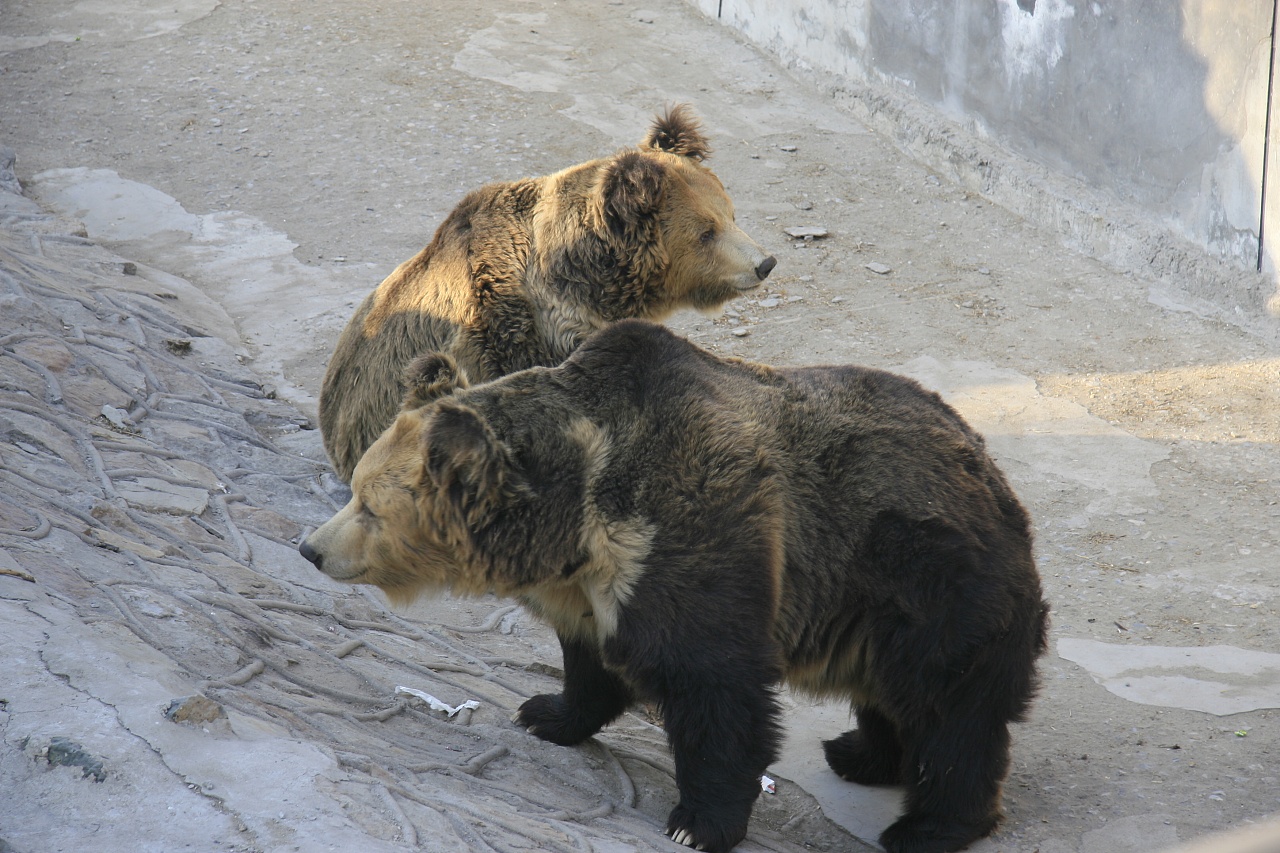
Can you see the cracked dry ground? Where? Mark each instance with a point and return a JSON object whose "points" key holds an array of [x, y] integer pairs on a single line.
{"points": [[166, 645]]}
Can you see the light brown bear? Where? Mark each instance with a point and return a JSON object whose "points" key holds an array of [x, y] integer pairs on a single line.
{"points": [[698, 529], [520, 273]]}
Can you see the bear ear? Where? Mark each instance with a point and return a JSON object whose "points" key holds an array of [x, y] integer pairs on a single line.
{"points": [[678, 131], [428, 377], [464, 460], [632, 189]]}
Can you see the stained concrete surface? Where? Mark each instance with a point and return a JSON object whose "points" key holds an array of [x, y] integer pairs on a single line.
{"points": [[264, 165]]}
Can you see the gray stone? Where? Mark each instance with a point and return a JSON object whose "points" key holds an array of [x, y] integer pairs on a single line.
{"points": [[118, 418], [806, 231]]}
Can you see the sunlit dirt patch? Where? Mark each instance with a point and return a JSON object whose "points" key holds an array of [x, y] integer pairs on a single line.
{"points": [[1213, 403]]}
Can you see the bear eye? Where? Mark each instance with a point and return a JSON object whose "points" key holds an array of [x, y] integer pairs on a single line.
{"points": [[708, 235]]}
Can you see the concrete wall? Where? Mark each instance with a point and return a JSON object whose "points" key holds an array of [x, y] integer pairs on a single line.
{"points": [[1159, 105]]}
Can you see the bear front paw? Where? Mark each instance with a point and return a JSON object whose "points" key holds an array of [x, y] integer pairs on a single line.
{"points": [[705, 829], [551, 718], [855, 757]]}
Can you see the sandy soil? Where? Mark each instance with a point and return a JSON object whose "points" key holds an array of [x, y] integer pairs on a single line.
{"points": [[283, 157]]}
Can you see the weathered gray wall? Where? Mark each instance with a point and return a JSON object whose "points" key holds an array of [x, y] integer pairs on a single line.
{"points": [[1159, 104]]}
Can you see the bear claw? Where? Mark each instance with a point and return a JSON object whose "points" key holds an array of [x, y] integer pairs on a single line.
{"points": [[683, 836]]}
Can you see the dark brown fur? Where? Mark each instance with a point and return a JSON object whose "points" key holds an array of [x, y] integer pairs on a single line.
{"points": [[519, 273], [699, 529]]}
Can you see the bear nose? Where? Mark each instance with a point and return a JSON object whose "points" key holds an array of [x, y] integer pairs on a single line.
{"points": [[310, 553], [766, 266]]}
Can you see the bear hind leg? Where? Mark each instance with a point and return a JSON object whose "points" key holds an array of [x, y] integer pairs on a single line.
{"points": [[955, 774], [871, 754], [592, 698]]}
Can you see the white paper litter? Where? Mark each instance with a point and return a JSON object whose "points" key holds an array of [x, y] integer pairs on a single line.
{"points": [[767, 785], [436, 704]]}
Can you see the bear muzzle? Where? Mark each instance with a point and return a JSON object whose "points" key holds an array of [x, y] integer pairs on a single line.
{"points": [[338, 569], [752, 273]]}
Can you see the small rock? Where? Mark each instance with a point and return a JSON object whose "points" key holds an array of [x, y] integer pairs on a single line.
{"points": [[194, 710], [837, 299], [741, 333], [879, 268], [129, 268], [806, 278], [118, 418], [788, 148], [178, 346], [771, 302], [933, 181], [983, 271], [802, 231], [804, 205]]}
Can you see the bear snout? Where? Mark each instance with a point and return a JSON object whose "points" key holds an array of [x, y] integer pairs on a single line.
{"points": [[765, 267], [311, 554]]}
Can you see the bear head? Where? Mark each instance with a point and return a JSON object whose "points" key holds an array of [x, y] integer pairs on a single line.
{"points": [[440, 502], [661, 227]]}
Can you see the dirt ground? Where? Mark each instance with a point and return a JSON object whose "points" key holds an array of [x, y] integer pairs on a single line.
{"points": [[256, 166]]}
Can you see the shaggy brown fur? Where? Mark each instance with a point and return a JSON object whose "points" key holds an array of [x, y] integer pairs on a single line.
{"points": [[698, 529], [519, 273]]}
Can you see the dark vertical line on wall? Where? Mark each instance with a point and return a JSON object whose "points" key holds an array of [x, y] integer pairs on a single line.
{"points": [[720, 8], [1266, 132]]}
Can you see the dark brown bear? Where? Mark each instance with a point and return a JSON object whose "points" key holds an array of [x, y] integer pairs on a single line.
{"points": [[520, 273], [699, 529]]}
